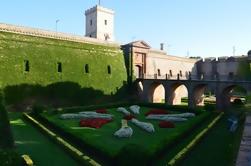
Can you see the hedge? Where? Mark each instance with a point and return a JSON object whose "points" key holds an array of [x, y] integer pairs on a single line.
{"points": [[100, 155]]}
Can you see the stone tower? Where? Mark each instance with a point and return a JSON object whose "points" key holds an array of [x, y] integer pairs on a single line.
{"points": [[99, 23]]}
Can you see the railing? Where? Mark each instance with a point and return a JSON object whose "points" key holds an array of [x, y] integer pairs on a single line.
{"points": [[195, 77]]}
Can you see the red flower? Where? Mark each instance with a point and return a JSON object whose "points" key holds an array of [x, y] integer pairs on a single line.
{"points": [[166, 124], [129, 117], [101, 111], [156, 111], [93, 123]]}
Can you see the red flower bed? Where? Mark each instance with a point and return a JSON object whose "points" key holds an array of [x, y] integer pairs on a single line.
{"points": [[156, 111], [128, 117], [166, 124], [93, 123], [101, 111]]}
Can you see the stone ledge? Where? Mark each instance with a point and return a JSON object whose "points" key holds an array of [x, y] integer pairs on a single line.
{"points": [[53, 35]]}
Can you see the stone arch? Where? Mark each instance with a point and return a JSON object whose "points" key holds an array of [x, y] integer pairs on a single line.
{"points": [[156, 93], [176, 92], [224, 98], [198, 94]]}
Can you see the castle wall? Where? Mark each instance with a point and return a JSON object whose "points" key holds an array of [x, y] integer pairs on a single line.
{"points": [[223, 68], [171, 65], [44, 55]]}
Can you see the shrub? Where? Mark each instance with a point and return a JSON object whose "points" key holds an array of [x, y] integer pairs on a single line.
{"points": [[129, 117], [37, 109], [101, 111], [238, 102], [6, 140], [9, 158], [156, 111], [94, 123], [133, 154], [210, 107], [166, 124]]}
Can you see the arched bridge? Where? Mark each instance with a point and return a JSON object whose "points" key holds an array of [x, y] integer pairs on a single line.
{"points": [[195, 89]]}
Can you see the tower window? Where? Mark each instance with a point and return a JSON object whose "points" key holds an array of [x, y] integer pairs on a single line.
{"points": [[90, 22], [105, 22], [59, 67], [86, 68], [109, 69], [26, 65]]}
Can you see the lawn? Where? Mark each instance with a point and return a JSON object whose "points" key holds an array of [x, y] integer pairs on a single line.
{"points": [[103, 139], [29, 140], [219, 147]]}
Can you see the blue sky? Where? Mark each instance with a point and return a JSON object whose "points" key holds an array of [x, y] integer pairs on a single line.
{"points": [[201, 27]]}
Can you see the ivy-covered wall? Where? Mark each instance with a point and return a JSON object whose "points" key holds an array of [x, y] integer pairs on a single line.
{"points": [[244, 70], [36, 61]]}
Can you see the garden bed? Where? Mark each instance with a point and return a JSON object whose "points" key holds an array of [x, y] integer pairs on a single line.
{"points": [[102, 145]]}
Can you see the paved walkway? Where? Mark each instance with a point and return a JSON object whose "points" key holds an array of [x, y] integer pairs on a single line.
{"points": [[244, 155]]}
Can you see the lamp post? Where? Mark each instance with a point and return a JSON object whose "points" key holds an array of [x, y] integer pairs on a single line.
{"points": [[57, 25]]}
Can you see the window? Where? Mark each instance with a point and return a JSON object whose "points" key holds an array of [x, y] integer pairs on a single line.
{"points": [[159, 74], [170, 73], [109, 69], [90, 22], [105, 22], [86, 68], [26, 66], [180, 73], [59, 67], [231, 75]]}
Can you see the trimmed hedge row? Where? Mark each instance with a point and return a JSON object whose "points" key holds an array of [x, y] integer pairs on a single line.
{"points": [[179, 156], [77, 154]]}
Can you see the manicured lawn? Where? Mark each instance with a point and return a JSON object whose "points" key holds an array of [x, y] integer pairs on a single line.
{"points": [[104, 140], [30, 141], [219, 147]]}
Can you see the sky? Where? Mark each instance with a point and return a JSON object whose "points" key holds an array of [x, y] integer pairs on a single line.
{"points": [[205, 28]]}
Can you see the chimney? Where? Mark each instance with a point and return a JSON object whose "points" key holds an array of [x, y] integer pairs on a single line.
{"points": [[161, 46]]}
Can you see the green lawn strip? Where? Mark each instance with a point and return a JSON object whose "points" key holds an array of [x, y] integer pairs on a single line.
{"points": [[218, 148], [77, 154], [41, 150], [170, 153], [96, 137], [185, 151]]}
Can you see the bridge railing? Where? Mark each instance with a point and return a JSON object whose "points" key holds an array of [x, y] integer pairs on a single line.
{"points": [[195, 77]]}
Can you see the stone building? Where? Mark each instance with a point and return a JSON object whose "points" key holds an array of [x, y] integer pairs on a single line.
{"points": [[142, 61], [99, 23], [145, 62]]}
